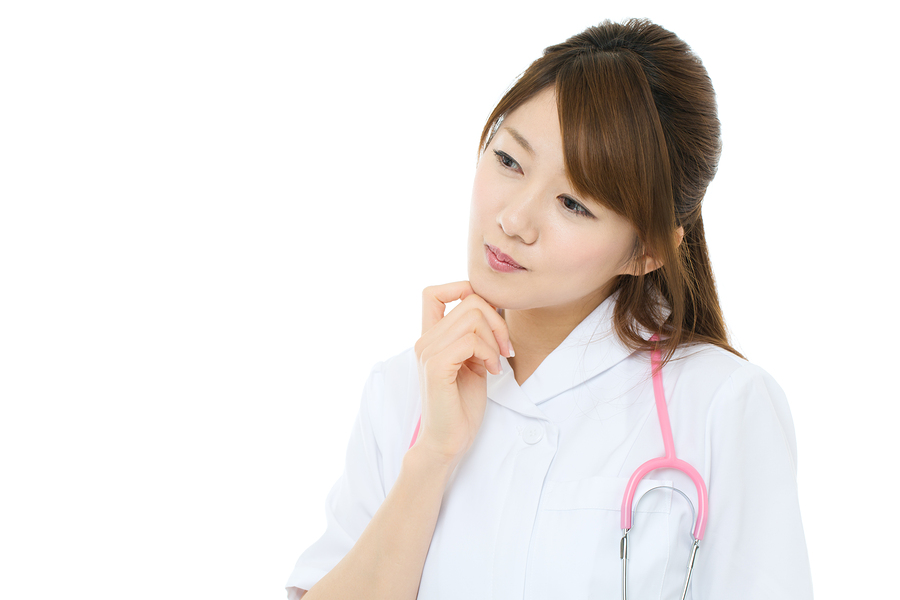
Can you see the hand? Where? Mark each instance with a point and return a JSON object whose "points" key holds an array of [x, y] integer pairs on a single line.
{"points": [[454, 355]]}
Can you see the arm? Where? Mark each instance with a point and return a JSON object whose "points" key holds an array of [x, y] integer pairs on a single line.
{"points": [[387, 560], [755, 540], [383, 541]]}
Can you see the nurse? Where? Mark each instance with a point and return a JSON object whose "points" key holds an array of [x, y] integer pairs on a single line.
{"points": [[532, 401]]}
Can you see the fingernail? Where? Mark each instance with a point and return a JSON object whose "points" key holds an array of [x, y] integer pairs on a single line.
{"points": [[511, 351]]}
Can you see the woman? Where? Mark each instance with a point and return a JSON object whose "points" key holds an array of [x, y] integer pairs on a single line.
{"points": [[532, 402]]}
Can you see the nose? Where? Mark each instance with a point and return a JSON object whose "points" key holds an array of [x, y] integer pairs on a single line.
{"points": [[519, 218]]}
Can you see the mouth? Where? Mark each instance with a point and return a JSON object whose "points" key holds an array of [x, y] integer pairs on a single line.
{"points": [[499, 261]]}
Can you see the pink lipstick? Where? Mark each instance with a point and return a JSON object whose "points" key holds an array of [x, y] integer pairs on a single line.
{"points": [[499, 261]]}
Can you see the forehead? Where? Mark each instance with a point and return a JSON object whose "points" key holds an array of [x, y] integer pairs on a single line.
{"points": [[537, 121]]}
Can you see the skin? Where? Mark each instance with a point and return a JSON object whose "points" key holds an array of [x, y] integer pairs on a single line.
{"points": [[522, 203], [571, 249]]}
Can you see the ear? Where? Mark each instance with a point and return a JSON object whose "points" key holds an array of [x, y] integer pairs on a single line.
{"points": [[645, 263]]}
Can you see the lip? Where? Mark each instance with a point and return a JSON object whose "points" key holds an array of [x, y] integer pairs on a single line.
{"points": [[500, 261]]}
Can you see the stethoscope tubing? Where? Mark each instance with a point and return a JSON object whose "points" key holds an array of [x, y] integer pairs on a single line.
{"points": [[668, 461]]}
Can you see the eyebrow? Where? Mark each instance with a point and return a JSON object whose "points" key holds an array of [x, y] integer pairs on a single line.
{"points": [[521, 139]]}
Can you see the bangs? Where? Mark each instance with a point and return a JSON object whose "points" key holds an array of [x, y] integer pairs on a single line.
{"points": [[641, 137], [613, 145]]}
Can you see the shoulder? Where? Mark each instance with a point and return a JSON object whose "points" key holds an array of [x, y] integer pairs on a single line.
{"points": [[735, 394], [395, 375], [721, 377], [706, 358], [391, 401], [715, 366]]}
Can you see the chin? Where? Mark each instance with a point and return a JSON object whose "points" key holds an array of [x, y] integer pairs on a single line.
{"points": [[497, 289], [490, 296], [483, 288], [494, 293]]}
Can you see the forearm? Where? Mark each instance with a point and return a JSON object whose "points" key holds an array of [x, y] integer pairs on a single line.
{"points": [[388, 558]]}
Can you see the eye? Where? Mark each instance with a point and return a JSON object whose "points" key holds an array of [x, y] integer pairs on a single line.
{"points": [[575, 207], [506, 160]]}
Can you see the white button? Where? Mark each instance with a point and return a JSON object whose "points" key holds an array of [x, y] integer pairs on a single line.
{"points": [[532, 434]]}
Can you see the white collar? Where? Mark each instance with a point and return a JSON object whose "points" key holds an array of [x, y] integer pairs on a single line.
{"points": [[590, 349]]}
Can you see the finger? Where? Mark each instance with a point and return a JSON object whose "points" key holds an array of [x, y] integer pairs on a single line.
{"points": [[472, 303], [436, 297], [451, 329], [444, 366], [496, 322]]}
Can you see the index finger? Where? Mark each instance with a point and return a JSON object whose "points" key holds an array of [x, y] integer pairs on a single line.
{"points": [[436, 297]]}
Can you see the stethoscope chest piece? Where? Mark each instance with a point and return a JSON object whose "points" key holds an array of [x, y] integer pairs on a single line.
{"points": [[623, 544]]}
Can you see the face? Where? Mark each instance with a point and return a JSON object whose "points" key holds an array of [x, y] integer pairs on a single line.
{"points": [[534, 243]]}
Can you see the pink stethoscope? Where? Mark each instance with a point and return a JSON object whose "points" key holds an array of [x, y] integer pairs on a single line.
{"points": [[669, 461]]}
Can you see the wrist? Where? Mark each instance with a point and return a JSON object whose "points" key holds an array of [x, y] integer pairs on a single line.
{"points": [[421, 458]]}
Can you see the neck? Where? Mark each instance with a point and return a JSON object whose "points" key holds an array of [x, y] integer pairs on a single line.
{"points": [[535, 333]]}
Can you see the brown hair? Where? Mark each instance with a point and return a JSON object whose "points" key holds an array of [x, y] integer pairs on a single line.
{"points": [[640, 133]]}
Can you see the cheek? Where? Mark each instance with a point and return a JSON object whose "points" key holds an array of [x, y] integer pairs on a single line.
{"points": [[594, 262], [477, 223], [480, 192], [483, 206]]}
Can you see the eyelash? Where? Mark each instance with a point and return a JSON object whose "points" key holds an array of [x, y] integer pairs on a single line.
{"points": [[503, 157], [578, 210], [509, 162]]}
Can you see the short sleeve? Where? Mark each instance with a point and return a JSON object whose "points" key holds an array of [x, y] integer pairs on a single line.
{"points": [[352, 501], [754, 546]]}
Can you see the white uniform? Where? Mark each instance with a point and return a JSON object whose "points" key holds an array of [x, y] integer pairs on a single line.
{"points": [[533, 509]]}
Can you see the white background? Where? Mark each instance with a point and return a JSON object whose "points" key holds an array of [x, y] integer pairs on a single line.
{"points": [[217, 216]]}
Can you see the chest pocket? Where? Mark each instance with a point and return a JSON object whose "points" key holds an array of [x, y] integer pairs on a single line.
{"points": [[605, 493], [575, 544]]}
